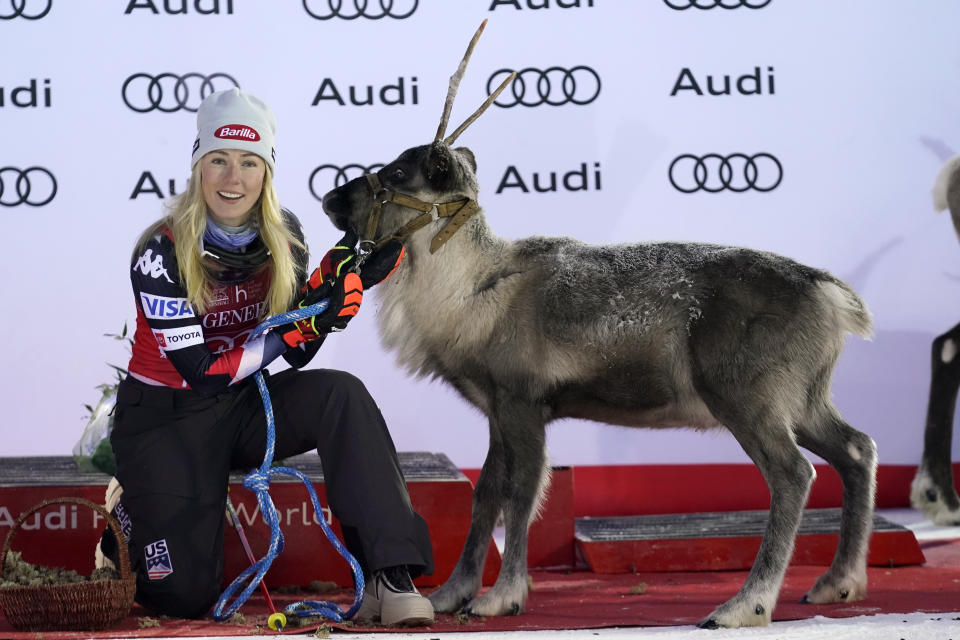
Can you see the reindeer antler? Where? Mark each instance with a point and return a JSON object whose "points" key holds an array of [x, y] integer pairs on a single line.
{"points": [[452, 93], [455, 82], [476, 114]]}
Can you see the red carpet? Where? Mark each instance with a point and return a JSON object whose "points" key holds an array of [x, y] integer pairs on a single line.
{"points": [[583, 600]]}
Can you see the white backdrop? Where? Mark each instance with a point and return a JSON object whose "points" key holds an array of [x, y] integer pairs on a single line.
{"points": [[858, 101]]}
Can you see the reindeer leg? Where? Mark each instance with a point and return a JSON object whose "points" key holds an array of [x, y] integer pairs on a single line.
{"points": [[488, 496], [789, 476], [932, 490], [525, 476], [854, 455]]}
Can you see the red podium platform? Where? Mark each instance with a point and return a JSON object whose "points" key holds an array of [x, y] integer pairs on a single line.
{"points": [[65, 535], [725, 541]]}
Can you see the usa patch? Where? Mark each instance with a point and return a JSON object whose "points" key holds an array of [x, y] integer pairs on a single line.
{"points": [[159, 565]]}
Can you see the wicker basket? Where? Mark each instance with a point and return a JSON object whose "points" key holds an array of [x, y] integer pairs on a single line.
{"points": [[80, 606]]}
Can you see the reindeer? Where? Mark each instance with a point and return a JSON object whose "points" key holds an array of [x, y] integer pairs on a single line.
{"points": [[643, 335], [932, 490]]}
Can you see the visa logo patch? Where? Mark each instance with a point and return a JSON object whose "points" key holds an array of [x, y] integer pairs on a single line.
{"points": [[159, 565], [164, 308]]}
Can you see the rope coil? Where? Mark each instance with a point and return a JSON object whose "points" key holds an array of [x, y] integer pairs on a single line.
{"points": [[258, 481]]}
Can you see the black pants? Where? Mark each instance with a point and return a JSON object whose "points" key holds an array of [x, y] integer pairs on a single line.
{"points": [[175, 451]]}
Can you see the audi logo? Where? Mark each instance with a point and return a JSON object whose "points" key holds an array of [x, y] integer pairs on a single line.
{"points": [[339, 176], [27, 9], [18, 187], [736, 172], [398, 9], [169, 92], [713, 4], [554, 86]]}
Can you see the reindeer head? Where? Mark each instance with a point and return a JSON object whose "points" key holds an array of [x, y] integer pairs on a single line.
{"points": [[421, 187]]}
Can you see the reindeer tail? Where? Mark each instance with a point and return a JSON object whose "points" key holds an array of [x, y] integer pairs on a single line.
{"points": [[946, 190], [851, 310]]}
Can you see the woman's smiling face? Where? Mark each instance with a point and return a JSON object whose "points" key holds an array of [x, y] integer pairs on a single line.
{"points": [[232, 180]]}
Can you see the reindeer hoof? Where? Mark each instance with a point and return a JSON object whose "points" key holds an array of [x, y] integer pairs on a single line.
{"points": [[940, 504], [843, 589]]}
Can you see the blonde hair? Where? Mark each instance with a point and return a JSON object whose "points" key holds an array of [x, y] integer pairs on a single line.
{"points": [[187, 220]]}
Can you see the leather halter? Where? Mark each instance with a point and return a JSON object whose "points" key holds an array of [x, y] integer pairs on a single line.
{"points": [[459, 211]]}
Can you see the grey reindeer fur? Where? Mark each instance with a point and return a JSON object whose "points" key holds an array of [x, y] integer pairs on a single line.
{"points": [[933, 490], [653, 335]]}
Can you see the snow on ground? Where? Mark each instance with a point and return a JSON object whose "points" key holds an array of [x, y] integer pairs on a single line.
{"points": [[907, 626]]}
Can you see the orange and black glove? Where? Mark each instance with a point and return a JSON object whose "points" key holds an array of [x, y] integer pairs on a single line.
{"points": [[377, 267], [327, 281], [344, 294], [340, 259], [380, 264]]}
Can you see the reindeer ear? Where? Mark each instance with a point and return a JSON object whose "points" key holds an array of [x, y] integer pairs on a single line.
{"points": [[466, 153], [437, 164]]}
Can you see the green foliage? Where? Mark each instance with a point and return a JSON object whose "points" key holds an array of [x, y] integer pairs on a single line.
{"points": [[93, 452], [120, 372]]}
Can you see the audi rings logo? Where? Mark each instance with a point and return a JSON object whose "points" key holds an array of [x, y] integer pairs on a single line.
{"points": [[373, 10], [26, 9], [682, 5], [169, 92], [335, 176], [34, 186], [554, 86], [735, 172]]}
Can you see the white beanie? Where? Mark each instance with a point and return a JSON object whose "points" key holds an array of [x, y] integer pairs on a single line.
{"points": [[233, 119]]}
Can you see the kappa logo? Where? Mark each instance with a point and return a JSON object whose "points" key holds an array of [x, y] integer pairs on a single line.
{"points": [[159, 565], [151, 266], [164, 308]]}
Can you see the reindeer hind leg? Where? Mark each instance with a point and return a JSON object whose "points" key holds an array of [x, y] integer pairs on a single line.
{"points": [[767, 439], [854, 455], [933, 491]]}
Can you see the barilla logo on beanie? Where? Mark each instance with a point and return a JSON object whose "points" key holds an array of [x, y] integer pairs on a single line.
{"points": [[237, 132]]}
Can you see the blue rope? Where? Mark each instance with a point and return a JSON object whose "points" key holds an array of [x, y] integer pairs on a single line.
{"points": [[258, 481]]}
